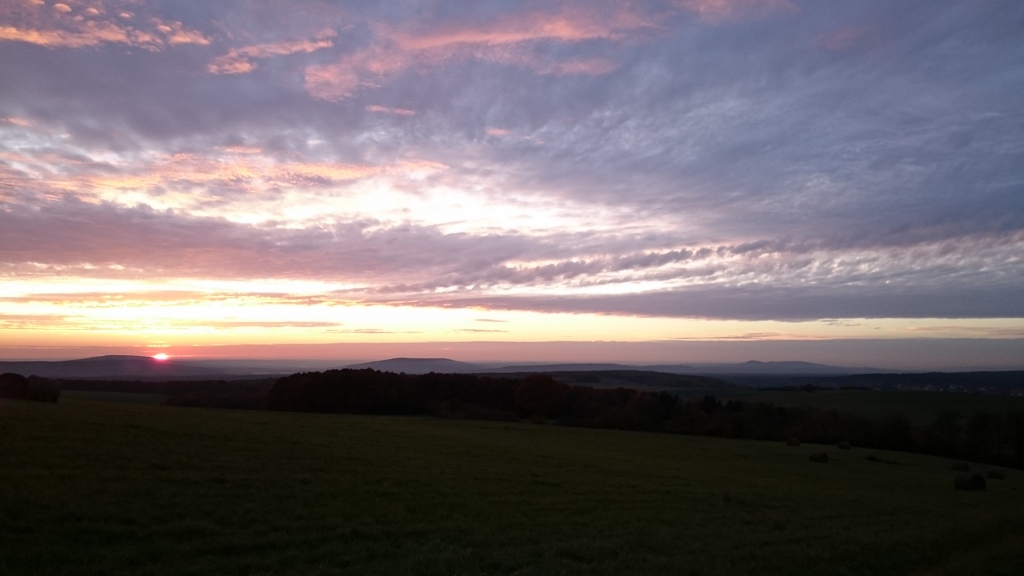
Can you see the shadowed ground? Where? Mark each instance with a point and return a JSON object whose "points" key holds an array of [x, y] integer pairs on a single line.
{"points": [[95, 487]]}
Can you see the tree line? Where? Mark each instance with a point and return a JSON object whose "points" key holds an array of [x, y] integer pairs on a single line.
{"points": [[987, 438]]}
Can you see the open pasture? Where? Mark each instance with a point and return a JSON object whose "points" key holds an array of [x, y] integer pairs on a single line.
{"points": [[94, 487], [919, 406]]}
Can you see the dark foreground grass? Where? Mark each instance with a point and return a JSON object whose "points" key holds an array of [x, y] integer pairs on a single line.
{"points": [[125, 397], [91, 487]]}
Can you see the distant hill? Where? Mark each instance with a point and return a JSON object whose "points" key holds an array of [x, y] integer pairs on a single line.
{"points": [[147, 368], [787, 368], [638, 379], [753, 367], [420, 366], [111, 368], [516, 368]]}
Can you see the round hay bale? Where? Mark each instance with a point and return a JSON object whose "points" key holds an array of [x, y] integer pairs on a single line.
{"points": [[843, 446], [962, 466], [820, 457], [969, 482], [42, 389], [13, 386], [995, 475], [793, 442]]}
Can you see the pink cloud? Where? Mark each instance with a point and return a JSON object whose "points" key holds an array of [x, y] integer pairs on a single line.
{"points": [[511, 40], [331, 82], [240, 60], [386, 110], [17, 121], [176, 33], [242, 168], [64, 26], [570, 26]]}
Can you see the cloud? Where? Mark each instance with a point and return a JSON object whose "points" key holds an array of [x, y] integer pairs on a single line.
{"points": [[35, 321], [767, 303], [846, 38], [189, 178], [143, 297], [241, 60], [14, 120], [386, 110], [332, 82], [716, 11], [513, 40], [785, 160], [589, 66], [67, 27], [371, 331], [571, 25]]}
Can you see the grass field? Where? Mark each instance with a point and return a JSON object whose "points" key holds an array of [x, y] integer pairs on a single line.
{"points": [[920, 407], [91, 487], [125, 397]]}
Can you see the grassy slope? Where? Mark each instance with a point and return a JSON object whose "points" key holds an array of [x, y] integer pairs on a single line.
{"points": [[102, 488], [920, 407], [126, 397]]}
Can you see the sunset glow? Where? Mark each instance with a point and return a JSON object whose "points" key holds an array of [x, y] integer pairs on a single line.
{"points": [[309, 173]]}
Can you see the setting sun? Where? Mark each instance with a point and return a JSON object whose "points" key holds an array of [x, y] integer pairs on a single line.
{"points": [[160, 356]]}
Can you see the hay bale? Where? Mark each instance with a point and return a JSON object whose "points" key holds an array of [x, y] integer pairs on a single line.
{"points": [[820, 457], [969, 482], [42, 389], [13, 386], [17, 387], [962, 466], [995, 475], [843, 446], [793, 442]]}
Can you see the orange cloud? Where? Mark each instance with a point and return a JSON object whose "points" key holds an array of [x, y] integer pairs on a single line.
{"points": [[511, 40], [176, 33], [331, 82], [240, 60], [572, 26], [386, 110], [15, 121], [197, 169], [240, 168], [65, 26], [722, 10]]}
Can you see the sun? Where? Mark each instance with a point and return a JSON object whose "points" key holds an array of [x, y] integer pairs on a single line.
{"points": [[160, 356]]}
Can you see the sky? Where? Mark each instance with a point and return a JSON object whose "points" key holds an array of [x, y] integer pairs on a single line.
{"points": [[765, 178]]}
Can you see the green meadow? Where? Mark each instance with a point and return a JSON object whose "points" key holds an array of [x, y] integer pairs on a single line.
{"points": [[89, 486]]}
